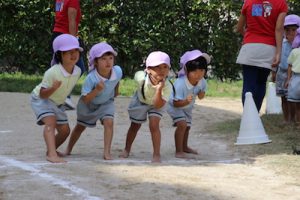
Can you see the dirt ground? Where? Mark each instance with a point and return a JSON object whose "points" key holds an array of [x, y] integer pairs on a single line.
{"points": [[222, 171]]}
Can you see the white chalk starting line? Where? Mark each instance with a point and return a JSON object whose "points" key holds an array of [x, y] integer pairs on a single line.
{"points": [[48, 177], [6, 131]]}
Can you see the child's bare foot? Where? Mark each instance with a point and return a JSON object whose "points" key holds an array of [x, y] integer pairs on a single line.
{"points": [[180, 155], [107, 156], [124, 154], [60, 154], [55, 159], [190, 150], [156, 159]]}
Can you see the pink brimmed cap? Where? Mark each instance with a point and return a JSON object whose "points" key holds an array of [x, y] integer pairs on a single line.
{"points": [[156, 58], [191, 55], [292, 20], [65, 42], [99, 50]]}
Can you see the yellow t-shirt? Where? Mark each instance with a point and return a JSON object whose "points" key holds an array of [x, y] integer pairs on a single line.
{"points": [[294, 60], [149, 88], [57, 72]]}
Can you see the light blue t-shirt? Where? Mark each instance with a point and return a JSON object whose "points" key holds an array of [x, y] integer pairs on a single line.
{"points": [[285, 52], [108, 92], [183, 88]]}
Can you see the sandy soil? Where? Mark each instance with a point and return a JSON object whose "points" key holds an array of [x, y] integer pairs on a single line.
{"points": [[221, 171]]}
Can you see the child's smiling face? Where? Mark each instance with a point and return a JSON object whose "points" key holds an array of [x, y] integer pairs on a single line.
{"points": [[158, 73]]}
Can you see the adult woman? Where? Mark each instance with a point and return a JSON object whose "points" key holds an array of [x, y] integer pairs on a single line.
{"points": [[261, 24]]}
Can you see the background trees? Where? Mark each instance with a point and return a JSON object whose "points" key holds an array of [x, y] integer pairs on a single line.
{"points": [[134, 28]]}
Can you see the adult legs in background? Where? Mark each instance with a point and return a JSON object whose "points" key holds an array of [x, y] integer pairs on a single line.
{"points": [[254, 81]]}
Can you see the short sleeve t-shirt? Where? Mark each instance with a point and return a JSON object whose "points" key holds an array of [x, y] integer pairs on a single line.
{"points": [[57, 72], [294, 60], [149, 89], [183, 88], [61, 15], [261, 17], [108, 92]]}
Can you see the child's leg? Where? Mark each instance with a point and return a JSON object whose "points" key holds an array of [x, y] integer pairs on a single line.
{"points": [[181, 127], [186, 148], [298, 114], [292, 108], [74, 137], [131, 134], [156, 137], [285, 110], [63, 133], [108, 135], [49, 136]]}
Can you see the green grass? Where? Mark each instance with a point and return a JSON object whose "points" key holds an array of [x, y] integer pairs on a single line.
{"points": [[18, 82], [277, 155]]}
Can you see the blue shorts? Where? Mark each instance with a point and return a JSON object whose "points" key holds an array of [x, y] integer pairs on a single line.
{"points": [[45, 107], [138, 111], [180, 114], [88, 114]]}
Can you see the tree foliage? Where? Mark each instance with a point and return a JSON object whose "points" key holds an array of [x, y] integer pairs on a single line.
{"points": [[134, 28]]}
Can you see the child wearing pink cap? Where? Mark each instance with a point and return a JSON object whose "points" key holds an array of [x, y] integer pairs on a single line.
{"points": [[48, 97], [291, 23], [149, 100], [293, 78], [189, 85], [97, 96]]}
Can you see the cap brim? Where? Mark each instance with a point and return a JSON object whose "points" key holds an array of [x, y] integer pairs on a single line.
{"points": [[158, 62], [104, 52]]}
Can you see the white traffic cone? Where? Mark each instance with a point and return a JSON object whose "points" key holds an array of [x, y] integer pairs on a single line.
{"points": [[273, 105], [251, 128]]}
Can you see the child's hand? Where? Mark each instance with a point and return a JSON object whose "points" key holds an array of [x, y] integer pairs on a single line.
{"points": [[189, 98], [100, 86], [160, 84], [56, 84]]}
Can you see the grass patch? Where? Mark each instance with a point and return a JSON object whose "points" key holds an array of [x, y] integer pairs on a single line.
{"points": [[18, 82], [276, 155]]}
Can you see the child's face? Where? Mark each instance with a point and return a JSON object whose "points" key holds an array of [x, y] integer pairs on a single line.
{"points": [[159, 72], [290, 33], [105, 63], [195, 76], [70, 57]]}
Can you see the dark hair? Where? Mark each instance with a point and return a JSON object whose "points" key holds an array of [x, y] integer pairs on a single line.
{"points": [[58, 57], [198, 63], [291, 26]]}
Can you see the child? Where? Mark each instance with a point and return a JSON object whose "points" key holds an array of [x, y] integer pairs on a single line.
{"points": [[97, 96], [293, 77], [291, 23], [150, 98], [189, 84], [48, 97]]}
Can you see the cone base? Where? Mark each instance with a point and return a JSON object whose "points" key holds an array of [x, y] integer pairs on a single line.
{"points": [[253, 140]]}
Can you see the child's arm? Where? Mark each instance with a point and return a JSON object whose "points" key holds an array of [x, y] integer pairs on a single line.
{"points": [[240, 27], [158, 101], [201, 95], [181, 103], [90, 96], [117, 89], [45, 93], [289, 75]]}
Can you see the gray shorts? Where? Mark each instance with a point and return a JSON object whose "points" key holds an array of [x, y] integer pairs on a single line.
{"points": [[88, 114], [294, 89], [45, 107], [178, 114], [138, 111], [281, 77]]}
